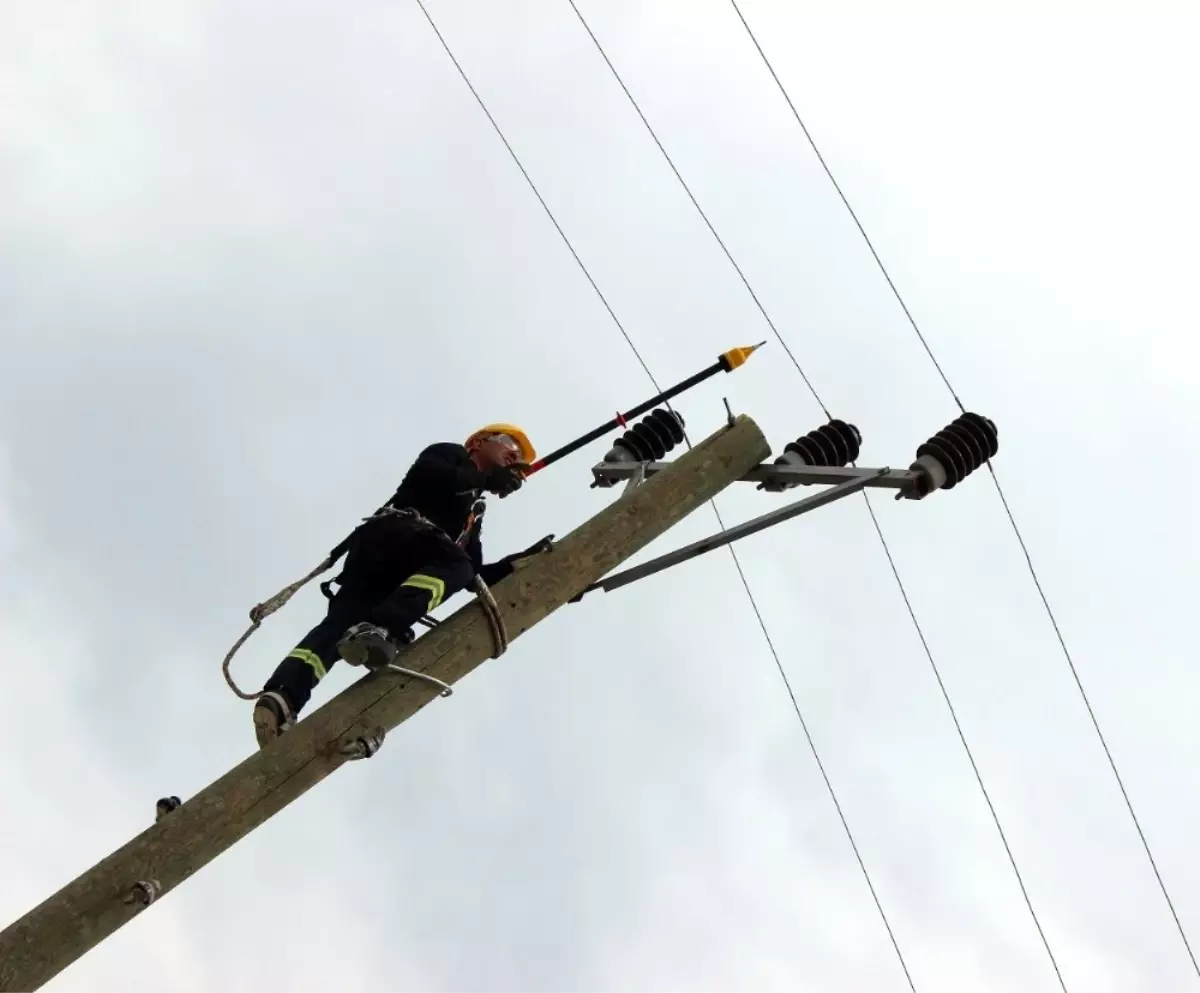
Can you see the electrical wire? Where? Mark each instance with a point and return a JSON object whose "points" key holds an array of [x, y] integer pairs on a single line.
{"points": [[812, 745], [878, 530], [1095, 722], [846, 202], [696, 203], [737, 563], [999, 491], [537, 193], [1012, 859]]}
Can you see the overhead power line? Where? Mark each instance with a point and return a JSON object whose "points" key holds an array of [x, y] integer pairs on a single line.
{"points": [[999, 491], [696, 203], [987, 797], [846, 202], [737, 563], [537, 193], [878, 530]]}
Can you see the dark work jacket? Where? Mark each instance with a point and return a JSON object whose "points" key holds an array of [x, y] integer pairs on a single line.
{"points": [[443, 485]]}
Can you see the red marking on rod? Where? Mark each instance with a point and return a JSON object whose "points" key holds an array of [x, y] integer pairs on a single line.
{"points": [[621, 422]]}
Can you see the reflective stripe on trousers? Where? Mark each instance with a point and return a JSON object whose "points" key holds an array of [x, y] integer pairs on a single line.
{"points": [[431, 584]]}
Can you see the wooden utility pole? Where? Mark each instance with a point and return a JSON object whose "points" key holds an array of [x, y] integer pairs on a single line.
{"points": [[85, 912]]}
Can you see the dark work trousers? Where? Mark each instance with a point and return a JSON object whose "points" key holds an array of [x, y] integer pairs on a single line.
{"points": [[394, 574]]}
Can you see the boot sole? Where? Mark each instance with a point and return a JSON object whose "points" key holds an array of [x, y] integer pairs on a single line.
{"points": [[266, 726], [354, 652]]}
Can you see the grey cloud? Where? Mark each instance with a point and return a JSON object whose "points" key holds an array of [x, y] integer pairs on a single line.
{"points": [[250, 264]]}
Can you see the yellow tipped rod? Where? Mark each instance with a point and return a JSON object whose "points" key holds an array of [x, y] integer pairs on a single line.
{"points": [[727, 362], [735, 357]]}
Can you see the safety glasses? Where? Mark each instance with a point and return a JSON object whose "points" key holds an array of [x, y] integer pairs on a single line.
{"points": [[507, 441]]}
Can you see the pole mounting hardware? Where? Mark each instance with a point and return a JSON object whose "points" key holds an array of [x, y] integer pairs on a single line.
{"points": [[819, 458]]}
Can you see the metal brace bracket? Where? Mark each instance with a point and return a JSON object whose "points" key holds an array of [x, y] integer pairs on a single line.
{"points": [[730, 535], [635, 479], [907, 481]]}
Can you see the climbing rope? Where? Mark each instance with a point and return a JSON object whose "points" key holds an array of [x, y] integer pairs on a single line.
{"points": [[491, 611], [260, 612]]}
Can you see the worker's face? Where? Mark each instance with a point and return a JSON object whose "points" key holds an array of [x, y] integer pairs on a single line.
{"points": [[499, 449]]}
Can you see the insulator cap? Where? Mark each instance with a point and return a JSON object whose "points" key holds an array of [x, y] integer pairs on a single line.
{"points": [[833, 444], [958, 449], [650, 439]]}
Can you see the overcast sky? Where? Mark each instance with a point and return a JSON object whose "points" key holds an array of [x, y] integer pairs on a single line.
{"points": [[254, 256]]}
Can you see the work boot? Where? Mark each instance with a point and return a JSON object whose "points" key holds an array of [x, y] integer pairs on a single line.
{"points": [[273, 716], [370, 645]]}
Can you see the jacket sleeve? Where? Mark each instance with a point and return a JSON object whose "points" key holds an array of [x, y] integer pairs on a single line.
{"points": [[493, 572], [498, 570], [474, 550], [445, 467]]}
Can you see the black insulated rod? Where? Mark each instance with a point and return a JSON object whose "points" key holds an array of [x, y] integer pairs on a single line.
{"points": [[726, 362]]}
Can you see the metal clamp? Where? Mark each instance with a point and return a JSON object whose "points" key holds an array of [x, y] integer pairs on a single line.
{"points": [[144, 891], [636, 480], [851, 485], [364, 745]]}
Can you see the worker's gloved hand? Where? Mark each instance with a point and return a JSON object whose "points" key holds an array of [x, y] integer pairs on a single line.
{"points": [[543, 545], [503, 480], [503, 568]]}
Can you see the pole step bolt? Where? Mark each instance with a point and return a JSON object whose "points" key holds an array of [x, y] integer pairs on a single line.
{"points": [[957, 450], [650, 439]]}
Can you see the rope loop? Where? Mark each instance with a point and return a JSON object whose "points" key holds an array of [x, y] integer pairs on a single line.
{"points": [[491, 611], [259, 613]]}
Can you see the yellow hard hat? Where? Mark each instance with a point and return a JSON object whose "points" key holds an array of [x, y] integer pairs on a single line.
{"points": [[528, 455]]}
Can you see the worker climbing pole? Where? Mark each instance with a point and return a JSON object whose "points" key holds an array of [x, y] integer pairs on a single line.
{"points": [[187, 835], [418, 549], [402, 563]]}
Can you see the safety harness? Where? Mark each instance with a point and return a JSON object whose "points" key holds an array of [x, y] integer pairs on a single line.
{"points": [[419, 522], [261, 611]]}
